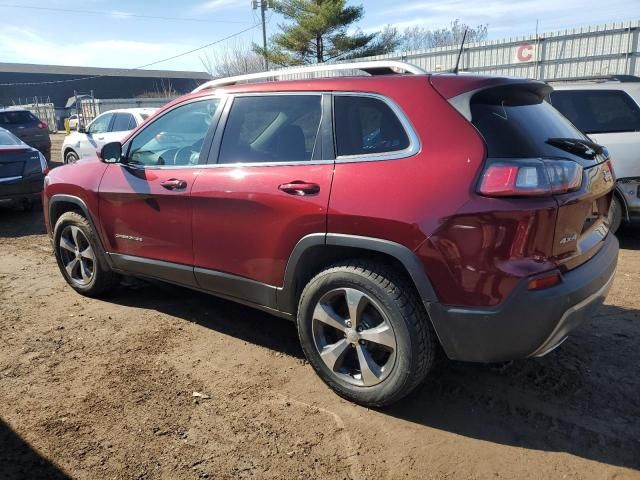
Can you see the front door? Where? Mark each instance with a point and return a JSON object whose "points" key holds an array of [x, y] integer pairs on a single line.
{"points": [[269, 187], [145, 203]]}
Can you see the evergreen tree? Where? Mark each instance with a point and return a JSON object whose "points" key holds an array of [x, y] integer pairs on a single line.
{"points": [[317, 32]]}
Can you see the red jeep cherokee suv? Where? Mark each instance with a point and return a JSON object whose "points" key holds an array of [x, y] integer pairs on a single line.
{"points": [[385, 214]]}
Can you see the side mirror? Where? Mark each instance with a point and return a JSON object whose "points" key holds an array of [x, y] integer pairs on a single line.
{"points": [[110, 152], [81, 129]]}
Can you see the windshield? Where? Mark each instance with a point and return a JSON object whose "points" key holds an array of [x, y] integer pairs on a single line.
{"points": [[517, 122]]}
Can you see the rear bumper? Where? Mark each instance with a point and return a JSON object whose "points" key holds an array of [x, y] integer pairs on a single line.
{"points": [[19, 189], [528, 323]]}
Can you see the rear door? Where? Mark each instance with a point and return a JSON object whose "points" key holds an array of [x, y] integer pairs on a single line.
{"points": [[145, 202], [266, 187]]}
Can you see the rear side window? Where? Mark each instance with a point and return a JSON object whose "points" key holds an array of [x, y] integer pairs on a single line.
{"points": [[278, 128], [18, 117], [516, 122], [598, 111], [366, 125], [123, 122]]}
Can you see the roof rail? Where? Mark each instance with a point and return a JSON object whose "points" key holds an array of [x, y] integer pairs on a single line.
{"points": [[599, 78], [374, 67]]}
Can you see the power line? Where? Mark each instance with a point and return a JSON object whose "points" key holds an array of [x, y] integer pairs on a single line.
{"points": [[118, 14], [136, 68]]}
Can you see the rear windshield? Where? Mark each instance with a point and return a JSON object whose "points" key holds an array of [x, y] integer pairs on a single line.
{"points": [[8, 139], [515, 121], [17, 117], [598, 111]]}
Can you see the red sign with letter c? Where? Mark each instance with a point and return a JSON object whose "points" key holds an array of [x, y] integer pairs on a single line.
{"points": [[524, 52]]}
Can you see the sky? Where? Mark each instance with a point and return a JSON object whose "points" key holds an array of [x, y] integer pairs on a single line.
{"points": [[120, 34]]}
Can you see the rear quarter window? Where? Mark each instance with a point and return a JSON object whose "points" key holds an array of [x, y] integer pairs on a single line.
{"points": [[367, 125], [598, 111]]}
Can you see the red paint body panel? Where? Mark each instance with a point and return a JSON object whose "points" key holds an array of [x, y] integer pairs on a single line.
{"points": [[247, 226], [82, 180], [134, 204]]}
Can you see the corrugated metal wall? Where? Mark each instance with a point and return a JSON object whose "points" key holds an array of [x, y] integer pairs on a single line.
{"points": [[593, 50]]}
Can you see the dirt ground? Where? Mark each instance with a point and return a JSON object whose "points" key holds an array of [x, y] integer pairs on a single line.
{"points": [[104, 389]]}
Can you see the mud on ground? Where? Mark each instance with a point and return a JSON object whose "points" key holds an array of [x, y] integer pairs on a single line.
{"points": [[104, 389]]}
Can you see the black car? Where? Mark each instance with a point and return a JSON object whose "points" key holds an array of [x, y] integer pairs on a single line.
{"points": [[22, 170], [28, 128]]}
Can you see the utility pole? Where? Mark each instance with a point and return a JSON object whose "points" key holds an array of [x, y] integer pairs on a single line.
{"points": [[263, 5]]}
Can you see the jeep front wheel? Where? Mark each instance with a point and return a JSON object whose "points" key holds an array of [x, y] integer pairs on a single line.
{"points": [[80, 258]]}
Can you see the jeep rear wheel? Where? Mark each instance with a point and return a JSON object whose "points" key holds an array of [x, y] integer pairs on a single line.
{"points": [[365, 332], [80, 258]]}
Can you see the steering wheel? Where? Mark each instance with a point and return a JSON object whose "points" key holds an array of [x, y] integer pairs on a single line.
{"points": [[183, 156]]}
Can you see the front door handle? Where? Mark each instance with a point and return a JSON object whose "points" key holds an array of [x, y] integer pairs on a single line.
{"points": [[299, 187], [174, 184]]}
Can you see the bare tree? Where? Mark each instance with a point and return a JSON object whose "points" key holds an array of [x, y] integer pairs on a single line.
{"points": [[416, 38], [234, 59]]}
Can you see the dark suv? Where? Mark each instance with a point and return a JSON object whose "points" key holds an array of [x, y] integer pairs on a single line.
{"points": [[384, 214], [28, 128]]}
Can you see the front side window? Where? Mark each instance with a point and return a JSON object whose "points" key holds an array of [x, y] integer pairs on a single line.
{"points": [[100, 124], [176, 137], [366, 125], [278, 128], [123, 122], [598, 111]]}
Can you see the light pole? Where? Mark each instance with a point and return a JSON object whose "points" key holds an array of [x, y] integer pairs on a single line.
{"points": [[263, 5]]}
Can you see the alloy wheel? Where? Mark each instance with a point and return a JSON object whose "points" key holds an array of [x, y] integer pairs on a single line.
{"points": [[77, 256], [354, 337]]}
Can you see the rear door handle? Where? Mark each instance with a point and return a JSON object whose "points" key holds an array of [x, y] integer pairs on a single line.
{"points": [[299, 187], [174, 184]]}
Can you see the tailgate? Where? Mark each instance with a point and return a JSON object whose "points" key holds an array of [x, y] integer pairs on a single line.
{"points": [[12, 163]]}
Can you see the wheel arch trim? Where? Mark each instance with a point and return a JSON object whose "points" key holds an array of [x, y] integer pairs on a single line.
{"points": [[77, 201], [286, 295]]}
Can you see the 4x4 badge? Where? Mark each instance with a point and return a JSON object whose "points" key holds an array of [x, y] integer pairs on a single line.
{"points": [[569, 238]]}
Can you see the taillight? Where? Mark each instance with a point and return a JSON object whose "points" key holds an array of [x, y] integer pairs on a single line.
{"points": [[43, 125], [526, 178], [44, 165]]}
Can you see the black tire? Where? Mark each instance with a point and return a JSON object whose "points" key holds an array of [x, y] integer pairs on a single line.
{"points": [[102, 278], [615, 214], [397, 300], [70, 157]]}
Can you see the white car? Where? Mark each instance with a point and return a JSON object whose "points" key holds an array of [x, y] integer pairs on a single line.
{"points": [[608, 111], [111, 126]]}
